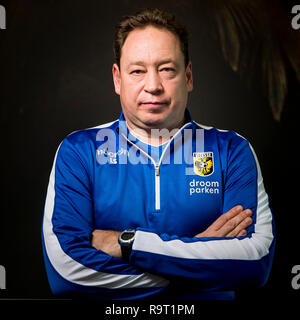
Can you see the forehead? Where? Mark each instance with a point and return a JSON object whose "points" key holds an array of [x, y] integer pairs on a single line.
{"points": [[151, 44]]}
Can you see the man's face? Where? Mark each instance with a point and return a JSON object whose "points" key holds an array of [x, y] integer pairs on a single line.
{"points": [[153, 82]]}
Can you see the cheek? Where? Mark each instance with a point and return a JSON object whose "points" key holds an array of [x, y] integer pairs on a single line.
{"points": [[129, 92], [176, 89]]}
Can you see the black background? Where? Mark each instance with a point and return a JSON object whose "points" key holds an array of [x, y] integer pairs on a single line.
{"points": [[55, 78]]}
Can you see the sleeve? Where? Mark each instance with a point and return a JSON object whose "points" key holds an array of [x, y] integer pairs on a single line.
{"points": [[73, 265], [219, 263]]}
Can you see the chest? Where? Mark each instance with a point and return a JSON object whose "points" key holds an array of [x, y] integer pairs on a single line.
{"points": [[177, 199]]}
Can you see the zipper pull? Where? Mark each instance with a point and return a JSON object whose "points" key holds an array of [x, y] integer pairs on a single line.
{"points": [[157, 170]]}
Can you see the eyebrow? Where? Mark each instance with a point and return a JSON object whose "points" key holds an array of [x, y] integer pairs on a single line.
{"points": [[141, 63]]}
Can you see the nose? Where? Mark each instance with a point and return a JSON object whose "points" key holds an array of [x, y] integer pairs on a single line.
{"points": [[153, 83]]}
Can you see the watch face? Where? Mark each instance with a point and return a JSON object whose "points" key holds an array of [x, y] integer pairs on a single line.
{"points": [[127, 236]]}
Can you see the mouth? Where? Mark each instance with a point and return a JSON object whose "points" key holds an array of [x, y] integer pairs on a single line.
{"points": [[154, 103]]}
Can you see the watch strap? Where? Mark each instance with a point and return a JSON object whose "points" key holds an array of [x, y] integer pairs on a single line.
{"points": [[126, 250]]}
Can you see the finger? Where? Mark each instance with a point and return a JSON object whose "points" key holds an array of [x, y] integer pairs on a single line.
{"points": [[233, 226], [224, 218], [241, 226], [242, 233]]}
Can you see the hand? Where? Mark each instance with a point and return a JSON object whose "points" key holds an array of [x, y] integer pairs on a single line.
{"points": [[107, 241], [233, 223]]}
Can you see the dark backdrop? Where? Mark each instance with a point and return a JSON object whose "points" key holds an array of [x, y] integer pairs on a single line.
{"points": [[55, 78]]}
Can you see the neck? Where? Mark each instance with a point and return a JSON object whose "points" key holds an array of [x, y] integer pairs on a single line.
{"points": [[154, 136]]}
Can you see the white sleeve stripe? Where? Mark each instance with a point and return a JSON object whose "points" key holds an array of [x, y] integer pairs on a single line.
{"points": [[253, 248], [77, 273], [246, 249]]}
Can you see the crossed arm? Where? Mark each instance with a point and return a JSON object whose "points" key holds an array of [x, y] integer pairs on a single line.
{"points": [[93, 262], [231, 224]]}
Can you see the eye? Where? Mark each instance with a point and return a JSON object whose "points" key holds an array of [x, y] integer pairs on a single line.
{"points": [[136, 72], [168, 72], [168, 69]]}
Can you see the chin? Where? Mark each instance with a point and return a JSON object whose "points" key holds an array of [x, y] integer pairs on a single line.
{"points": [[154, 122], [153, 118]]}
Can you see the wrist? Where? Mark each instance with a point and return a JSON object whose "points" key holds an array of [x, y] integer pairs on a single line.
{"points": [[126, 239]]}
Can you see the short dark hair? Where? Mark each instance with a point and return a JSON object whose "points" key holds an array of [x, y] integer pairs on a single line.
{"points": [[146, 17]]}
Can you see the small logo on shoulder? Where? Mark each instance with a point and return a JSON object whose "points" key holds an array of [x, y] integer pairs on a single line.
{"points": [[203, 163]]}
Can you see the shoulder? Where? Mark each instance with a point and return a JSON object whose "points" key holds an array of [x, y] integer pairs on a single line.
{"points": [[85, 136], [230, 145], [82, 143], [223, 136]]}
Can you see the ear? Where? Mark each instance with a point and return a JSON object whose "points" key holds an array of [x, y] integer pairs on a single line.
{"points": [[189, 76], [116, 78]]}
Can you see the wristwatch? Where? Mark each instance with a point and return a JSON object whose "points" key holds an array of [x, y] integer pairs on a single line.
{"points": [[125, 240]]}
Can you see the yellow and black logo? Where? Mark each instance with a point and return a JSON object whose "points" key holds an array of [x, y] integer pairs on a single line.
{"points": [[203, 163]]}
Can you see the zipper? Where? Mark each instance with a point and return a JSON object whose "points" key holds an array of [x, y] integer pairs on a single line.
{"points": [[157, 166], [157, 187]]}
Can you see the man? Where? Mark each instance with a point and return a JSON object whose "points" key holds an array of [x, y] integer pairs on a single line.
{"points": [[155, 204]]}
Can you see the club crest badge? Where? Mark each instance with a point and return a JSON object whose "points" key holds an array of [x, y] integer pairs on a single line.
{"points": [[203, 163]]}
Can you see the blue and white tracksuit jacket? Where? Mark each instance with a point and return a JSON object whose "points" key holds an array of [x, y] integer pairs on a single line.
{"points": [[103, 179]]}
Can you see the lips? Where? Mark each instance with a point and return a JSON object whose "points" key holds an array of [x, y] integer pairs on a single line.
{"points": [[154, 103]]}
